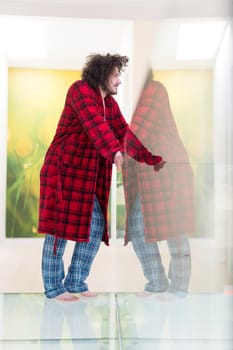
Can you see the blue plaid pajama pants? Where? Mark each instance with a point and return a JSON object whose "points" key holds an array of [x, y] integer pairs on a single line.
{"points": [[149, 256], [54, 279]]}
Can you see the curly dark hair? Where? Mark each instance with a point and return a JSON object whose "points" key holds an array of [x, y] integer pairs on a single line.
{"points": [[98, 68]]}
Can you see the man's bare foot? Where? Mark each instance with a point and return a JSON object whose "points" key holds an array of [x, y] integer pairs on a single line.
{"points": [[68, 297], [88, 294]]}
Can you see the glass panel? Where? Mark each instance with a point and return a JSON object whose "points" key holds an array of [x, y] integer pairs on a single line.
{"points": [[34, 317], [157, 319]]}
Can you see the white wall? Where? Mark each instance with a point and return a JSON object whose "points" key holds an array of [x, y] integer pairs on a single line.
{"points": [[223, 115], [3, 138], [116, 268], [20, 259]]}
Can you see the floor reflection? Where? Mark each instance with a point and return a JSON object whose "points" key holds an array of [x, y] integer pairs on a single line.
{"points": [[125, 321], [196, 322]]}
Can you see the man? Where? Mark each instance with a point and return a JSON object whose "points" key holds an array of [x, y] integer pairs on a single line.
{"points": [[161, 207], [76, 175]]}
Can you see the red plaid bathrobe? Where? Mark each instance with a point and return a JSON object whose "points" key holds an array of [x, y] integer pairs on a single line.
{"points": [[167, 196], [78, 163]]}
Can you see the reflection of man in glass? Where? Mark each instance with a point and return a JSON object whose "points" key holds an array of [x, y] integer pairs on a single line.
{"points": [[160, 205], [74, 325]]}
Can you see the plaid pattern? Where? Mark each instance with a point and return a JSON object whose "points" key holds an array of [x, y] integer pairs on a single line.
{"points": [[150, 259], [82, 258], [168, 195], [78, 163]]}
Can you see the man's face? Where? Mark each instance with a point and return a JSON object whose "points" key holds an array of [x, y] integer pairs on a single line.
{"points": [[113, 82]]}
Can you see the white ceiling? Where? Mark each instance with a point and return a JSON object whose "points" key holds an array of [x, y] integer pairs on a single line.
{"points": [[118, 9], [75, 28]]}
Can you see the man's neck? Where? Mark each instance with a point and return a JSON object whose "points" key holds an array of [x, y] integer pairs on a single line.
{"points": [[102, 92]]}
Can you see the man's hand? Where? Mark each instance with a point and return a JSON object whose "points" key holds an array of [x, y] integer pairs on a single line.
{"points": [[159, 165], [118, 160]]}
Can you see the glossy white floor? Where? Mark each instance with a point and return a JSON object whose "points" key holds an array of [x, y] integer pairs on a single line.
{"points": [[117, 321]]}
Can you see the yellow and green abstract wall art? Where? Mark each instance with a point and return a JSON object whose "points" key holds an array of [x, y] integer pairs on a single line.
{"points": [[35, 101]]}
